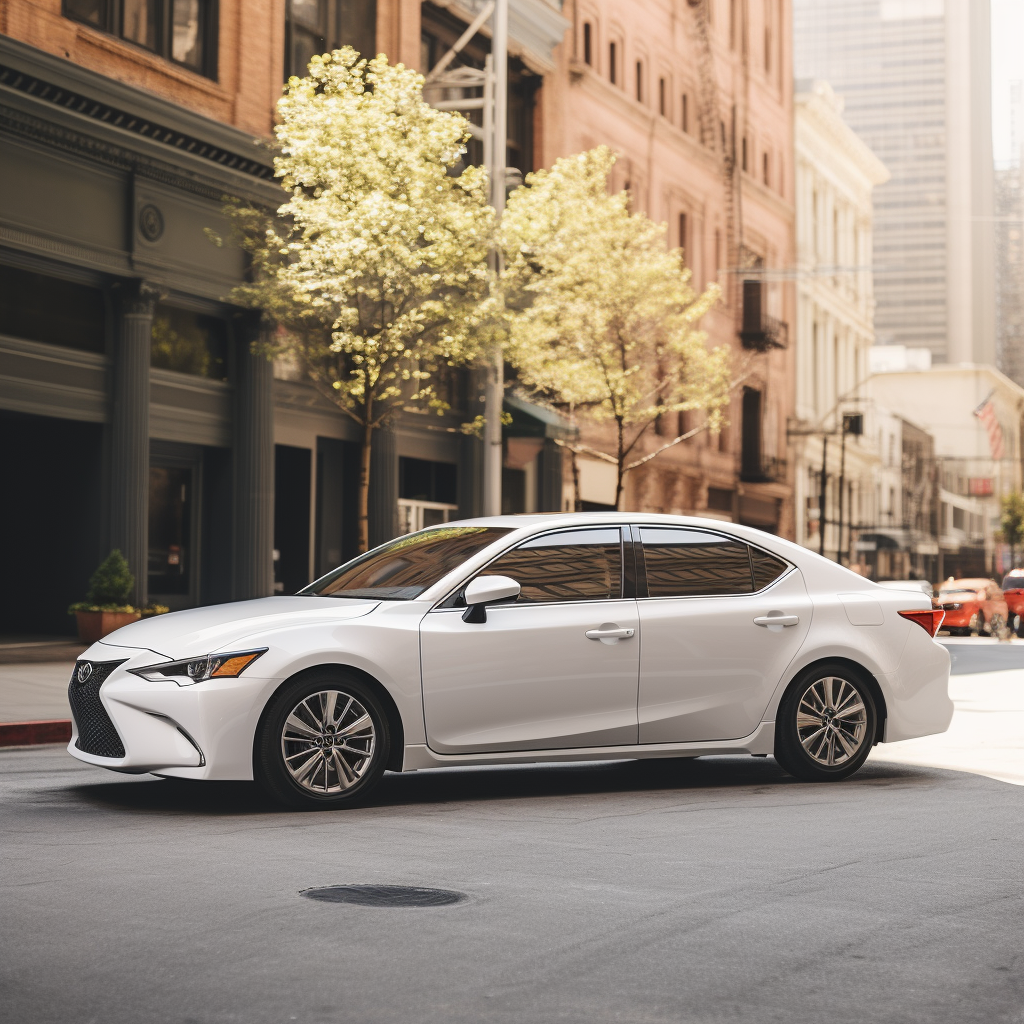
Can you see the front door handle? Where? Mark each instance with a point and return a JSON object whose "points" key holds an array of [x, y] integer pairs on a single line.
{"points": [[776, 620], [609, 633]]}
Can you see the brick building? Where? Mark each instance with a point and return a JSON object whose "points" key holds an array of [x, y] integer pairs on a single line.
{"points": [[697, 100]]}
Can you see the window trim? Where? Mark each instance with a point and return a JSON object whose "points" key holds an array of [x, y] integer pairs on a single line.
{"points": [[643, 591], [627, 571]]}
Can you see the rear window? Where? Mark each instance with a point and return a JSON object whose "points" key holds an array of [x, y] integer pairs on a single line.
{"points": [[404, 568], [1013, 582]]}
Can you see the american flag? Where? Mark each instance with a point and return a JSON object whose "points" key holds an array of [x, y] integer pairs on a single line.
{"points": [[987, 414]]}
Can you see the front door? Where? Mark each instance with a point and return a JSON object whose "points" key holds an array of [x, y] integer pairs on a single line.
{"points": [[722, 622], [530, 677]]}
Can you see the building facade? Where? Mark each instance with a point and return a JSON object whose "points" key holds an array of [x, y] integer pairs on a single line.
{"points": [[696, 100], [915, 76], [842, 475], [133, 411], [974, 415]]}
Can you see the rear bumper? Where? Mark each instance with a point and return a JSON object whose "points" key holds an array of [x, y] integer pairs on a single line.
{"points": [[918, 703]]}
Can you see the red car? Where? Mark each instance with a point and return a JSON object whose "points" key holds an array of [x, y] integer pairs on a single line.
{"points": [[972, 607], [1013, 591]]}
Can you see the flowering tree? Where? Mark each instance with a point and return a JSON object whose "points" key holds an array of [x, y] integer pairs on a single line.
{"points": [[375, 269], [602, 318]]}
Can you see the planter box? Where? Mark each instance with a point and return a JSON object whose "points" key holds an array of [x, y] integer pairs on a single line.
{"points": [[93, 626]]}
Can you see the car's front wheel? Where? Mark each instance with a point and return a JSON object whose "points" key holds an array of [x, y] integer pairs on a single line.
{"points": [[323, 742], [825, 725]]}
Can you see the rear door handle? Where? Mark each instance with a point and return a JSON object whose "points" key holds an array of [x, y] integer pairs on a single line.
{"points": [[609, 634], [776, 620]]}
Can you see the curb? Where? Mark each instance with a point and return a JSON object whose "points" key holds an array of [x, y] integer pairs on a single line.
{"points": [[25, 734]]}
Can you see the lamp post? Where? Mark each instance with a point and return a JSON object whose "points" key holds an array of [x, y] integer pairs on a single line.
{"points": [[495, 392]]}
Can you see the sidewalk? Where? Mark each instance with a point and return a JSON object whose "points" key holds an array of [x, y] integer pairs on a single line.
{"points": [[986, 736], [35, 692]]}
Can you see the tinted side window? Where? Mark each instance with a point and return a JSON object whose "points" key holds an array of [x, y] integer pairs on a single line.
{"points": [[683, 563], [767, 568], [575, 565]]}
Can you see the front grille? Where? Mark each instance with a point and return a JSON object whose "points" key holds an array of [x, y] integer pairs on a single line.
{"points": [[96, 732]]}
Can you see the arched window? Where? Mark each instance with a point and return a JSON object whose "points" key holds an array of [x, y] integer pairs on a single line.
{"points": [[587, 43]]}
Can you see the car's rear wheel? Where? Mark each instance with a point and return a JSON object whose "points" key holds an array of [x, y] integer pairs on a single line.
{"points": [[826, 724], [323, 742]]}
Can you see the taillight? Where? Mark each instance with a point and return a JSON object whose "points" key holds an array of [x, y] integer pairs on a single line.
{"points": [[929, 621]]}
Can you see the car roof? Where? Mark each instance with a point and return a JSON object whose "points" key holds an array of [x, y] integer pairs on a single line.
{"points": [[975, 583]]}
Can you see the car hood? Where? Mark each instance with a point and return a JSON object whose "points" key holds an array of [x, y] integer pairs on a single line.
{"points": [[197, 631]]}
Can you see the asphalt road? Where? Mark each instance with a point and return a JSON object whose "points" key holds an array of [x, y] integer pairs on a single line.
{"points": [[706, 891], [983, 655]]}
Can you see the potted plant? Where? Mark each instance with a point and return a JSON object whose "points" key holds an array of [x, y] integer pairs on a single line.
{"points": [[106, 606]]}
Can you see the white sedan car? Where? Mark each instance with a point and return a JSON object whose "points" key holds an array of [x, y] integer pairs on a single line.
{"points": [[518, 639]]}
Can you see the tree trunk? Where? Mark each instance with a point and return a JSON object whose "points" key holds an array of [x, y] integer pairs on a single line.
{"points": [[364, 484], [577, 503], [620, 458]]}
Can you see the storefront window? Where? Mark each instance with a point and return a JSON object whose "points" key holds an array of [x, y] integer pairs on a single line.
{"points": [[189, 343], [40, 308]]}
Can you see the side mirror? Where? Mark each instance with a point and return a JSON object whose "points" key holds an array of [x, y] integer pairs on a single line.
{"points": [[485, 590]]}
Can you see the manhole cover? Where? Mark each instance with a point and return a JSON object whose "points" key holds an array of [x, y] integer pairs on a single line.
{"points": [[384, 895]]}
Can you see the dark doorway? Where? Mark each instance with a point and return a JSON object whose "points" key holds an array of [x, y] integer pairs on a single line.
{"points": [[292, 468], [52, 512], [337, 503], [175, 486], [171, 556]]}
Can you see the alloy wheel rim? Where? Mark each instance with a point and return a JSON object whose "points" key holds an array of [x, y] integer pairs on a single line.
{"points": [[328, 741], [831, 721]]}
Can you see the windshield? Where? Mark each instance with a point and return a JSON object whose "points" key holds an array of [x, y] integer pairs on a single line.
{"points": [[1015, 581], [402, 569]]}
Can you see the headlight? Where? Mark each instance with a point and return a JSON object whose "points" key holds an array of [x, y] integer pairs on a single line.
{"points": [[197, 670]]}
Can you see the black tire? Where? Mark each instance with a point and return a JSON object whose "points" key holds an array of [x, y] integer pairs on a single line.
{"points": [[1018, 627], [347, 779], [796, 742]]}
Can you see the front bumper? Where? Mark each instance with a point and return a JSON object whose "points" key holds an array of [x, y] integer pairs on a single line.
{"points": [[202, 731]]}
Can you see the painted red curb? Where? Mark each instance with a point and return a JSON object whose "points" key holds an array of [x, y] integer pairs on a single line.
{"points": [[24, 734]]}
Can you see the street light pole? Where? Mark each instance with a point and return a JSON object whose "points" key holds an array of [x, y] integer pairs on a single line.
{"points": [[495, 392]]}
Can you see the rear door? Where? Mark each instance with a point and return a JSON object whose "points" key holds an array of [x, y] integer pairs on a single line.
{"points": [[721, 620]]}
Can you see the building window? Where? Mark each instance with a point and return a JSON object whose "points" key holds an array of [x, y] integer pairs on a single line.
{"points": [[319, 26], [189, 342], [682, 233], [183, 31], [639, 81], [587, 43], [744, 158], [686, 113], [612, 63], [39, 308], [662, 100], [764, 163]]}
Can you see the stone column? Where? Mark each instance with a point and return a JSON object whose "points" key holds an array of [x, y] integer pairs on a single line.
{"points": [[253, 468], [383, 497], [129, 432]]}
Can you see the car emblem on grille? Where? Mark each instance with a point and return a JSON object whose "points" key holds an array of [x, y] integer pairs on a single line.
{"points": [[84, 671]]}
